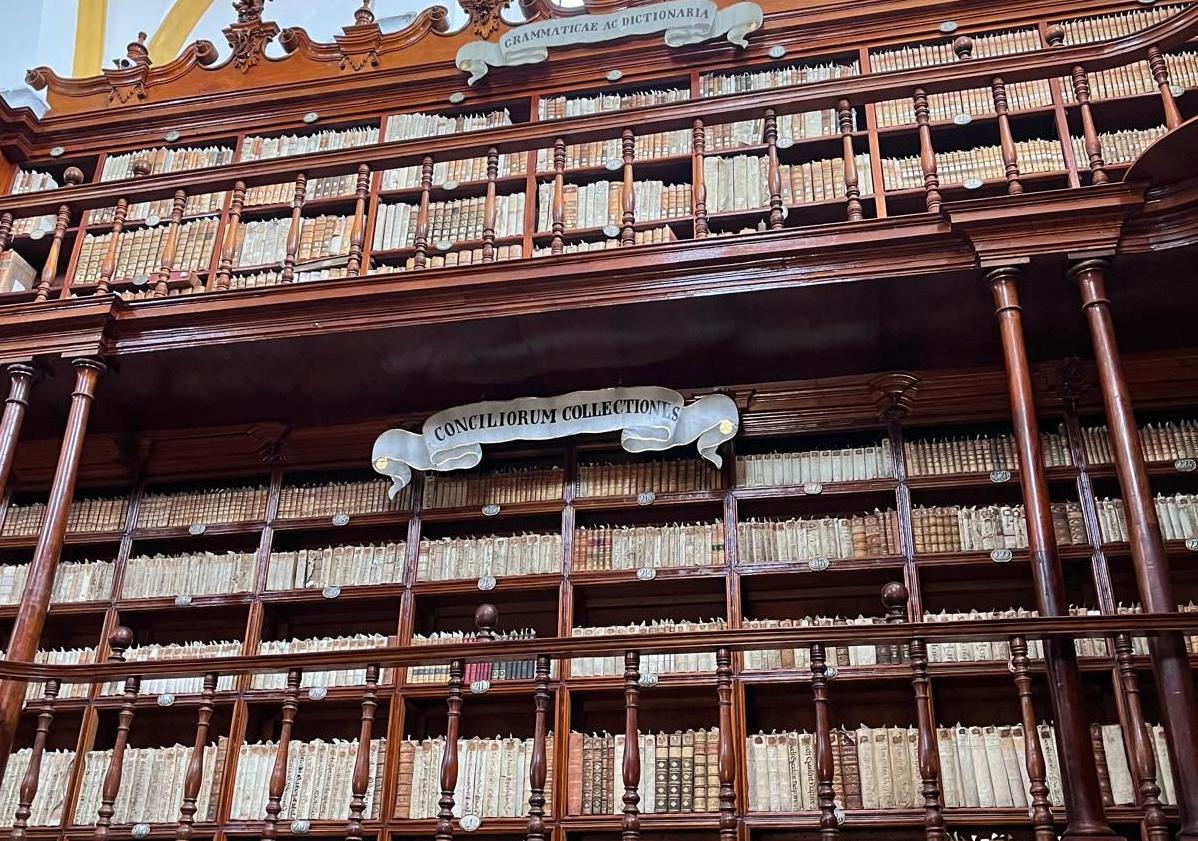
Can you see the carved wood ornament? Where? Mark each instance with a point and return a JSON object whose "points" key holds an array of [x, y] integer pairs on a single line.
{"points": [[250, 35]]}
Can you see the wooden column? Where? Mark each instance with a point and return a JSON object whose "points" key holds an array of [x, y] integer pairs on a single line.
{"points": [[1143, 759], [33, 772], [20, 375], [628, 219], [726, 749], [296, 229], [35, 600], [73, 176], [170, 247], [927, 154], [630, 824], [422, 215], [895, 596], [1083, 799], [1081, 92], [773, 171], [557, 211], [852, 190], [699, 191], [1037, 772], [278, 774], [825, 769], [449, 759], [357, 232], [361, 779], [489, 206], [228, 254], [118, 643], [1170, 662], [538, 764], [195, 762], [1160, 75]]}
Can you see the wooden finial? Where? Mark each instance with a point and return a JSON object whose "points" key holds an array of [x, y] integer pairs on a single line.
{"points": [[894, 599], [486, 617], [1055, 35], [963, 47], [73, 175], [137, 51], [141, 168], [249, 11], [364, 16], [119, 641]]}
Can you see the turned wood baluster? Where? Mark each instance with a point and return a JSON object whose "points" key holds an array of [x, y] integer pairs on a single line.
{"points": [[727, 754], [5, 231], [1143, 760], [141, 168], [361, 778], [538, 766], [296, 229], [423, 216], [119, 641], [490, 206], [278, 774], [927, 154], [1081, 92], [627, 232], [558, 209], [73, 176], [1006, 140], [699, 192], [449, 759], [1041, 810], [773, 172], [224, 269], [33, 772], [170, 246], [852, 188], [829, 826], [1160, 75], [195, 762], [630, 825], [357, 231], [895, 596]]}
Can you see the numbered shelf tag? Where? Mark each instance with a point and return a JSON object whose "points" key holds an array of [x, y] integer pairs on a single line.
{"points": [[166, 700], [645, 498], [480, 687], [490, 510], [341, 519], [813, 488], [470, 823], [487, 582], [818, 564], [1185, 465], [1001, 556], [197, 529], [182, 601], [646, 574], [648, 680], [998, 477], [331, 592], [318, 693]]}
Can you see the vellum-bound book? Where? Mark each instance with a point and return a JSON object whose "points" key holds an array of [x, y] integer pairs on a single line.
{"points": [[16, 275]]}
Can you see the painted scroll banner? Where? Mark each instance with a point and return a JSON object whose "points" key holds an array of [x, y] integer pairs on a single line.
{"points": [[683, 22], [648, 419]]}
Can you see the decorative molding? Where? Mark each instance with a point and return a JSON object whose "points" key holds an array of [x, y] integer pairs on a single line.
{"points": [[484, 15], [249, 36]]}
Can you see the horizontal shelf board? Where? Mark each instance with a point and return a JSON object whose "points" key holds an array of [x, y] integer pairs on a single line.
{"points": [[210, 530], [620, 503], [489, 826], [857, 564], [349, 592], [458, 586], [827, 488], [629, 576], [507, 510], [321, 523], [438, 691], [26, 541], [465, 189]]}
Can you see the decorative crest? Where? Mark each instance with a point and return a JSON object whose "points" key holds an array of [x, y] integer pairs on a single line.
{"points": [[359, 46], [484, 15], [250, 35]]}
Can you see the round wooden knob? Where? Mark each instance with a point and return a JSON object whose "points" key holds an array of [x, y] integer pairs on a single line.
{"points": [[73, 175], [486, 617], [1055, 35], [120, 638], [895, 595], [141, 167], [963, 47]]}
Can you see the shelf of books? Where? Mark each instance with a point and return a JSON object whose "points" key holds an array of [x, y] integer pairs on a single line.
{"points": [[640, 185], [585, 542]]}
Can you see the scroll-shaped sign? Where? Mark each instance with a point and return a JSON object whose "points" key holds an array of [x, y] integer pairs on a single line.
{"points": [[648, 418], [683, 22]]}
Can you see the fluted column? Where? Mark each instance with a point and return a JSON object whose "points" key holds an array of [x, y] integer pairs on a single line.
{"points": [[31, 614], [1170, 664], [1082, 795]]}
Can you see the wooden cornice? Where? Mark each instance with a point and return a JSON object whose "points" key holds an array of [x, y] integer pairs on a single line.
{"points": [[75, 327]]}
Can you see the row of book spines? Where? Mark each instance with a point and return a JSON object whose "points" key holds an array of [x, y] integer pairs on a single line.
{"points": [[87, 514], [1161, 442], [452, 221], [263, 148], [647, 236], [609, 153], [162, 159], [789, 468], [265, 241], [32, 181], [410, 126], [1134, 79], [333, 186], [1105, 27], [460, 171], [140, 250], [602, 203], [182, 508], [983, 163], [319, 776], [718, 84], [56, 769], [451, 558], [367, 497], [741, 182], [559, 107], [140, 211], [652, 547], [926, 55], [456, 257], [493, 778], [336, 566], [954, 528], [975, 102], [679, 773], [659, 476], [870, 535], [973, 455], [197, 573], [522, 484], [1118, 147], [73, 582]]}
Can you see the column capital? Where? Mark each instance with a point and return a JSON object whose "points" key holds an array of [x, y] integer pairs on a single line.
{"points": [[1082, 265], [22, 369], [997, 273], [89, 362]]}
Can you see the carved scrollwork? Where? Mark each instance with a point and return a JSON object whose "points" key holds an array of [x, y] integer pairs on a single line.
{"points": [[484, 15]]}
